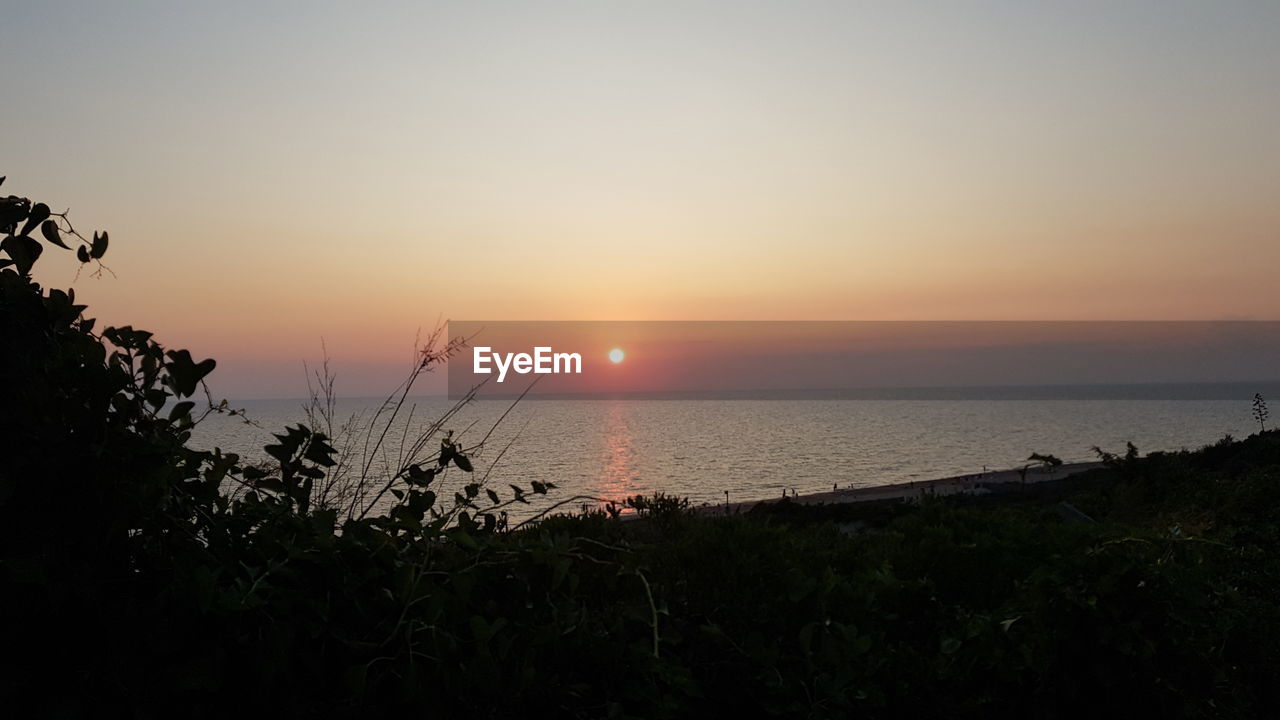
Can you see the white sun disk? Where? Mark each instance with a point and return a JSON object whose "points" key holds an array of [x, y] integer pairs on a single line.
{"points": [[616, 355]]}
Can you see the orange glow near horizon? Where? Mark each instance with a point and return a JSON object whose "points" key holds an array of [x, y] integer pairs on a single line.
{"points": [[653, 162]]}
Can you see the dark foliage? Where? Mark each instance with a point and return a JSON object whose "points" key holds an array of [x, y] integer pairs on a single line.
{"points": [[135, 582]]}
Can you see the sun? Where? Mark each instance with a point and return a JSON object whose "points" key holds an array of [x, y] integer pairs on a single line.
{"points": [[616, 355]]}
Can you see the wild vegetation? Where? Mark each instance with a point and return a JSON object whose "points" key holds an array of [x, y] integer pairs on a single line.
{"points": [[143, 577]]}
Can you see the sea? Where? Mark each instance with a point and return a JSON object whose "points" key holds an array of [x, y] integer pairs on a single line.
{"points": [[713, 450]]}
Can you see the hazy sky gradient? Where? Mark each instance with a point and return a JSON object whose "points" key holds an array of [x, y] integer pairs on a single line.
{"points": [[714, 357], [275, 173]]}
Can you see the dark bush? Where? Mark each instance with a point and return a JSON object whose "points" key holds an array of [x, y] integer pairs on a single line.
{"points": [[142, 577]]}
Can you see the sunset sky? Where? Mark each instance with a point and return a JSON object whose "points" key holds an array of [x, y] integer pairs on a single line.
{"points": [[277, 173], [771, 358]]}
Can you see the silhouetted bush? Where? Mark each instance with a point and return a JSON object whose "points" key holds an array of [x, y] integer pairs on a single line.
{"points": [[142, 577]]}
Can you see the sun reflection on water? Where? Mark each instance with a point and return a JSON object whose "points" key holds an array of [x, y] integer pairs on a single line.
{"points": [[618, 478]]}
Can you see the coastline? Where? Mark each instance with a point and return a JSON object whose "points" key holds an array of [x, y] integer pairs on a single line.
{"points": [[973, 484]]}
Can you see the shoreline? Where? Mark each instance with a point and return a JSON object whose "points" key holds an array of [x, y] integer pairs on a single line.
{"points": [[972, 484]]}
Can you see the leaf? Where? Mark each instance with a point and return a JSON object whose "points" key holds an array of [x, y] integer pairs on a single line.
{"points": [[713, 630], [23, 250], [39, 213], [861, 645], [12, 209], [181, 409], [806, 637], [355, 678], [321, 452], [82, 253], [311, 472], [421, 476], [479, 629], [99, 245], [463, 462], [461, 536], [185, 374], [446, 453], [493, 496], [49, 229], [289, 443]]}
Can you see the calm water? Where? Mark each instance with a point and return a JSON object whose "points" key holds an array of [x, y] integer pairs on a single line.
{"points": [[756, 448]]}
